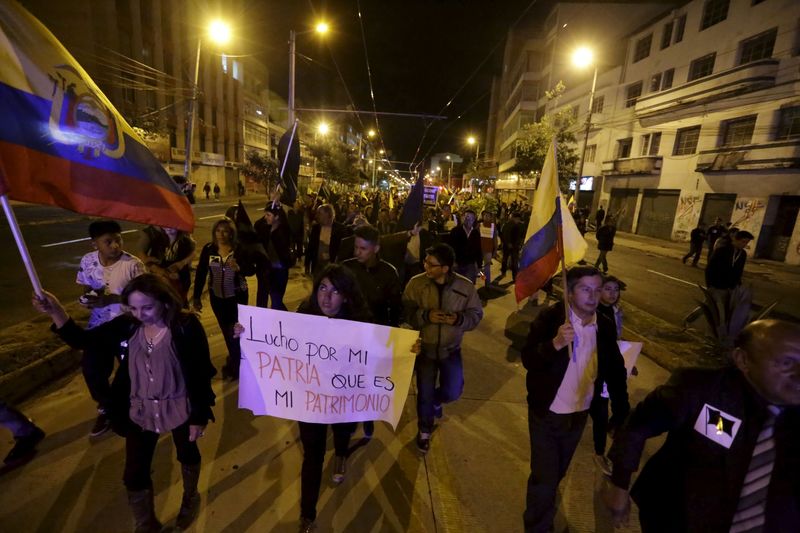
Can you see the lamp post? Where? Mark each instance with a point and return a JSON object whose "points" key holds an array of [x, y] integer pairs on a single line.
{"points": [[583, 57], [220, 33], [321, 28]]}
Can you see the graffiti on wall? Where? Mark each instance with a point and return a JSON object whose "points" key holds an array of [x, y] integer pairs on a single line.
{"points": [[687, 216], [748, 214]]}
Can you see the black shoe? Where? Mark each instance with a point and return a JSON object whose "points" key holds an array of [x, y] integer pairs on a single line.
{"points": [[438, 410], [101, 425], [25, 447], [369, 429], [683, 260], [423, 442]]}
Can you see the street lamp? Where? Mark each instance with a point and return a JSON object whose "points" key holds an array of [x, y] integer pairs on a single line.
{"points": [[323, 128], [321, 28], [582, 58], [472, 140], [220, 33]]}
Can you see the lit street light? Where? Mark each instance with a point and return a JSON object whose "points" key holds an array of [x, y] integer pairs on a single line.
{"points": [[220, 33], [323, 128], [582, 58], [472, 140], [321, 28]]}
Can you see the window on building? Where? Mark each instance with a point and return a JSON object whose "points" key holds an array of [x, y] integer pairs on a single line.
{"points": [[666, 34], [598, 103], [713, 12], [624, 147], [758, 47], [680, 26], [591, 153], [632, 93], [642, 49], [702, 67], [655, 83], [666, 79], [686, 141], [739, 131], [651, 143], [789, 123]]}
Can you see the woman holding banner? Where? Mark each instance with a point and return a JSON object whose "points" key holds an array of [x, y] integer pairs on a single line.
{"points": [[163, 384], [335, 295]]}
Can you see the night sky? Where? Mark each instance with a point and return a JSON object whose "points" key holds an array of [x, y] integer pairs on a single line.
{"points": [[421, 53]]}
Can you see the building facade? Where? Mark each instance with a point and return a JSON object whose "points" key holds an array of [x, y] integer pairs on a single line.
{"points": [[142, 53], [700, 120]]}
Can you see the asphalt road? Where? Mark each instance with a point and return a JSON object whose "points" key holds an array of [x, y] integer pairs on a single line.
{"points": [[57, 239], [663, 286]]}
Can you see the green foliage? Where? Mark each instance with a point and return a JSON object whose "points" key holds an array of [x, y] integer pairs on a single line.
{"points": [[535, 138], [727, 316], [484, 202], [336, 161], [262, 169]]}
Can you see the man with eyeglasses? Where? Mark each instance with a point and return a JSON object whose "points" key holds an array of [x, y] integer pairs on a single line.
{"points": [[442, 305]]}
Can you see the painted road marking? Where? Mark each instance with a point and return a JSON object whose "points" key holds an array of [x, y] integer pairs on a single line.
{"points": [[79, 240], [670, 277], [210, 216]]}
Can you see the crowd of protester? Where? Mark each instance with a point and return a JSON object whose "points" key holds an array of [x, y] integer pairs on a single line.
{"points": [[368, 264]]}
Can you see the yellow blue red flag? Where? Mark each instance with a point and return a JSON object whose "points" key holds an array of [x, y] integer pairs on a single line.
{"points": [[541, 254], [63, 143]]}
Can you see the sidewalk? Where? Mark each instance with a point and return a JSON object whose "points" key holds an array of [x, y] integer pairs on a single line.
{"points": [[473, 479]]}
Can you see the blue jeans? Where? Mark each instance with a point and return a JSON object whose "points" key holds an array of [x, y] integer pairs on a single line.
{"points": [[18, 424], [451, 383]]}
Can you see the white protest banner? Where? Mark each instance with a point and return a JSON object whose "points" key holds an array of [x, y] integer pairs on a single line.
{"points": [[630, 353], [323, 370]]}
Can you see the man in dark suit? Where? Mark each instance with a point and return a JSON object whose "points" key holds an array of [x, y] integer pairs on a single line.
{"points": [[323, 240], [561, 384], [730, 461]]}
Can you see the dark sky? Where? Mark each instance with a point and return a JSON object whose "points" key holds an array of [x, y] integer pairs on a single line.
{"points": [[421, 53]]}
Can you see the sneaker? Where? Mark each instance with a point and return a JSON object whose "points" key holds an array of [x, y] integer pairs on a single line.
{"points": [[25, 448], [101, 425], [423, 442], [369, 429], [339, 469], [602, 462], [438, 411], [307, 525]]}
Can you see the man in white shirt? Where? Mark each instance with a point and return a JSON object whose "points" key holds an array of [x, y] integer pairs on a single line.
{"points": [[561, 383]]}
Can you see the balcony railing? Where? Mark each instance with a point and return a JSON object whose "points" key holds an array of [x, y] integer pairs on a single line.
{"points": [[632, 166], [773, 155], [732, 82]]}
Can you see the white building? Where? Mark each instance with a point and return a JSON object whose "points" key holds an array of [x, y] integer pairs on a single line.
{"points": [[702, 120]]}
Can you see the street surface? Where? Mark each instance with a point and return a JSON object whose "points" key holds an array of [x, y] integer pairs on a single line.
{"points": [[473, 479]]}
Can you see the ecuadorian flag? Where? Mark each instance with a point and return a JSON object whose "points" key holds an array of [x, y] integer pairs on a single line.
{"points": [[541, 253], [62, 142]]}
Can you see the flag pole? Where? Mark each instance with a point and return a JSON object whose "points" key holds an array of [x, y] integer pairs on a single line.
{"points": [[289, 149], [560, 234], [21, 246]]}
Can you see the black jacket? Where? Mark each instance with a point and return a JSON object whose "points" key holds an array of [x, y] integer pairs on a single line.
{"points": [[381, 288], [692, 483], [546, 366], [605, 237], [277, 243], [698, 236], [722, 272], [468, 249], [338, 232], [111, 340]]}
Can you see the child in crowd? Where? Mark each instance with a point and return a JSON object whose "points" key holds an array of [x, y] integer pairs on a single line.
{"points": [[609, 309], [104, 273]]}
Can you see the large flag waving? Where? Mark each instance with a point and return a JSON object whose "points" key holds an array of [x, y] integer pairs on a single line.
{"points": [[541, 253], [412, 209], [61, 140]]}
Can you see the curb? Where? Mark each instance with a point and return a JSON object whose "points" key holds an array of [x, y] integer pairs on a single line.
{"points": [[17, 385]]}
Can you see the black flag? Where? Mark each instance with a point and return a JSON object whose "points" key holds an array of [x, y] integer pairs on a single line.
{"points": [[412, 209], [289, 165]]}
